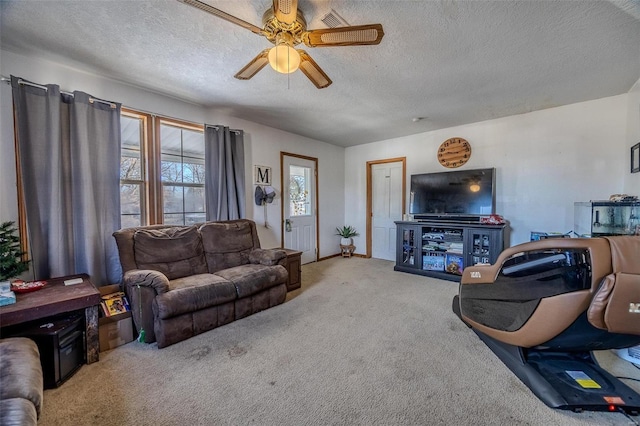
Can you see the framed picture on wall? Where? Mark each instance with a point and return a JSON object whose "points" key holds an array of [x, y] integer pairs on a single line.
{"points": [[635, 158]]}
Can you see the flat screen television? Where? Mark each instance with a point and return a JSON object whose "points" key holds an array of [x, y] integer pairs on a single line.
{"points": [[453, 194]]}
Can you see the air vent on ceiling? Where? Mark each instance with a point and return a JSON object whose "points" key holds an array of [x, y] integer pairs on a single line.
{"points": [[333, 20]]}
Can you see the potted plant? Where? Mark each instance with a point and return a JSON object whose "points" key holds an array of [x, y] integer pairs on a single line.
{"points": [[347, 233], [11, 263]]}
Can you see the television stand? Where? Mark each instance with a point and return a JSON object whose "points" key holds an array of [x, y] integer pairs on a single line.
{"points": [[442, 247]]}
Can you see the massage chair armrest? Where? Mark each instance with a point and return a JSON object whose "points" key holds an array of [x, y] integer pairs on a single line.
{"points": [[598, 248], [142, 286], [268, 257]]}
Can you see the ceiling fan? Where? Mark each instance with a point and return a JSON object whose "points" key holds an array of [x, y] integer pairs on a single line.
{"points": [[284, 26]]}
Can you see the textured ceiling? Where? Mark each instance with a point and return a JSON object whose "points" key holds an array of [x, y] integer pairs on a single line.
{"points": [[450, 62]]}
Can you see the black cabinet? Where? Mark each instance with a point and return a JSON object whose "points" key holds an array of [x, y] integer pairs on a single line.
{"points": [[407, 251], [443, 249], [61, 343]]}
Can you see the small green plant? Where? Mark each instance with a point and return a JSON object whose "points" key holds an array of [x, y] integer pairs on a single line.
{"points": [[347, 232], [11, 263]]}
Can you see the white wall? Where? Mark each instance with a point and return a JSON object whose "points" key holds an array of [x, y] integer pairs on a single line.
{"points": [[8, 201], [262, 144], [545, 161], [632, 180], [264, 147]]}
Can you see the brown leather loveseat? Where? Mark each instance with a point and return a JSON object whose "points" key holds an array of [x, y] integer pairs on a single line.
{"points": [[185, 280]]}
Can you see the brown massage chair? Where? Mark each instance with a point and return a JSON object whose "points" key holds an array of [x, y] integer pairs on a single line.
{"points": [[544, 306]]}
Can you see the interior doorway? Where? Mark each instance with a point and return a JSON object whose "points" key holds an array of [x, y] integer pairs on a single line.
{"points": [[299, 183], [386, 195]]}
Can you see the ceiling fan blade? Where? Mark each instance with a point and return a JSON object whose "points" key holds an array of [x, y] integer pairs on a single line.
{"points": [[309, 67], [286, 10], [344, 36], [220, 14], [254, 66]]}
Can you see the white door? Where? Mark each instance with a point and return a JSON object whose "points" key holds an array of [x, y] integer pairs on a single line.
{"points": [[299, 184], [386, 207]]}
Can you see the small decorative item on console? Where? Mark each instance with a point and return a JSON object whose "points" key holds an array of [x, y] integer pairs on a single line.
{"points": [[494, 219], [20, 286]]}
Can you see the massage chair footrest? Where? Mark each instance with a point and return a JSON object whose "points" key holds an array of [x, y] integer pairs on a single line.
{"points": [[566, 380]]}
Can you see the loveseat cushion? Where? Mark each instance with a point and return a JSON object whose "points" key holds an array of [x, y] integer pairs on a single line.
{"points": [[192, 293], [251, 279], [176, 252], [21, 379], [18, 412], [227, 244]]}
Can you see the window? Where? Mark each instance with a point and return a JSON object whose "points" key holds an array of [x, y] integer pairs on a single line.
{"points": [[300, 204], [182, 173], [161, 171], [133, 170]]}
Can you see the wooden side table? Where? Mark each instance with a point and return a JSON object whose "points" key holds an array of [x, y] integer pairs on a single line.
{"points": [[56, 298], [347, 250], [294, 267]]}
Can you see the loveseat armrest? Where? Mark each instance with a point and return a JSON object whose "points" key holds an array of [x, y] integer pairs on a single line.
{"points": [[142, 286], [146, 278], [268, 257]]}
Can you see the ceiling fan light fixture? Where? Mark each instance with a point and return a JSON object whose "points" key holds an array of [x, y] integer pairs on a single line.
{"points": [[474, 187], [283, 57]]}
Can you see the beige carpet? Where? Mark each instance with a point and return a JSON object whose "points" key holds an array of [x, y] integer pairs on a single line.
{"points": [[359, 344]]}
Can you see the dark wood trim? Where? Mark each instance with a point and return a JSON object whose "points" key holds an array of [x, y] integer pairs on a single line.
{"points": [[330, 257], [169, 120], [180, 123], [370, 195], [340, 255], [150, 170], [22, 209], [149, 207]]}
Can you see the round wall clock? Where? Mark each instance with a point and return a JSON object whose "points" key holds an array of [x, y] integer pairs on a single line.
{"points": [[454, 152]]}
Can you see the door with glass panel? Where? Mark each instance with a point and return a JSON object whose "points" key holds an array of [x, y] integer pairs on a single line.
{"points": [[299, 205]]}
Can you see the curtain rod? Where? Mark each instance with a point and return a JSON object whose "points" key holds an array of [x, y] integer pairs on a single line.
{"points": [[45, 88], [237, 132]]}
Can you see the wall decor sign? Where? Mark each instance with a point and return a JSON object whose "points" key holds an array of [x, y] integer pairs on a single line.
{"points": [[635, 158], [262, 175]]}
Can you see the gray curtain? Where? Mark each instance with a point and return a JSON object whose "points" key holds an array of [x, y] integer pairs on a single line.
{"points": [[224, 164], [69, 151]]}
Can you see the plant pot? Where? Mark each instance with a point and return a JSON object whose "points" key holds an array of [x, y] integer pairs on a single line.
{"points": [[346, 241]]}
